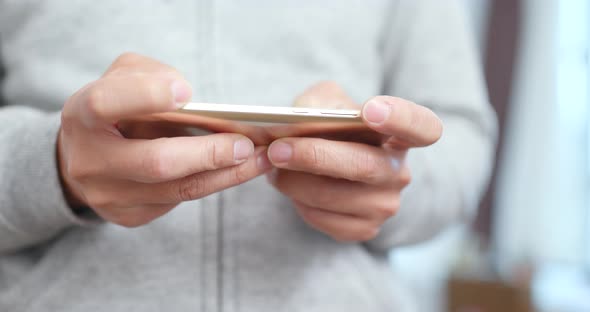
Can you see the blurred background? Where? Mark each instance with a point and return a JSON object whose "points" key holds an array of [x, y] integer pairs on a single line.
{"points": [[529, 248]]}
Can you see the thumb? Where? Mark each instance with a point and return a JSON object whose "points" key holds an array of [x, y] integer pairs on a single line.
{"points": [[325, 94]]}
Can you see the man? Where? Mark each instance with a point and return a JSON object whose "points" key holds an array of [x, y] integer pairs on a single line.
{"points": [[92, 220]]}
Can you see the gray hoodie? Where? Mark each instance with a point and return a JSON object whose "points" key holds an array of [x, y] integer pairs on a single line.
{"points": [[243, 249]]}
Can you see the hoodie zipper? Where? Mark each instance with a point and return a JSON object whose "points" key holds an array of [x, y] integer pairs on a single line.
{"points": [[212, 88], [220, 254], [212, 296]]}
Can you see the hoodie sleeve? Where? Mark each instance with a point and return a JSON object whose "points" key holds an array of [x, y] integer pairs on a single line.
{"points": [[32, 205], [430, 58]]}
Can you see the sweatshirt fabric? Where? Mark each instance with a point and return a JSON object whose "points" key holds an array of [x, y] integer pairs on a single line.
{"points": [[243, 249]]}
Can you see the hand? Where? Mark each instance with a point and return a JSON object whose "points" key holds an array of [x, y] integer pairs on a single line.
{"points": [[348, 190], [133, 181]]}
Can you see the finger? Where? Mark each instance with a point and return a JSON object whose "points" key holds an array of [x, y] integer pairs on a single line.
{"points": [[338, 196], [136, 63], [205, 183], [112, 194], [168, 159], [135, 216], [113, 98], [326, 94], [341, 227], [410, 124], [345, 160], [152, 130]]}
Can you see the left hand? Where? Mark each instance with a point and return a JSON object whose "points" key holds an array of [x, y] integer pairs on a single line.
{"points": [[348, 190]]}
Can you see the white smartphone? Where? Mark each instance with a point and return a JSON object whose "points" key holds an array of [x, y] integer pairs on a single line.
{"points": [[271, 114]]}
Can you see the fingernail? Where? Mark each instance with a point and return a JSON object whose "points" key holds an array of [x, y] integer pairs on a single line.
{"points": [[243, 148], [280, 152], [263, 162], [181, 92], [376, 111]]}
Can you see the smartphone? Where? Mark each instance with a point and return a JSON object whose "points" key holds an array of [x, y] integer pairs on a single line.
{"points": [[262, 124], [271, 114]]}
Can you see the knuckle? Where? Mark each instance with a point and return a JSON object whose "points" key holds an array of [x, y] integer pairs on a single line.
{"points": [[127, 58], [241, 174], [155, 92], [215, 155], [95, 99], [331, 85], [386, 211], [190, 189], [156, 163], [366, 165], [314, 155]]}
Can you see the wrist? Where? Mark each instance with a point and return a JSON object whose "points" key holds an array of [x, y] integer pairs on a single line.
{"points": [[74, 201]]}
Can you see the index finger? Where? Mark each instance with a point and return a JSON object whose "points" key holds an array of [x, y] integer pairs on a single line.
{"points": [[166, 159], [136, 63], [410, 124], [343, 160], [114, 98]]}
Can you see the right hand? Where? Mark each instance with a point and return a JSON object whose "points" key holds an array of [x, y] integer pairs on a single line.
{"points": [[131, 182]]}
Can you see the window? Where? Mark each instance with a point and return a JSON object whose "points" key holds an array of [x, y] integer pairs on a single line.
{"points": [[573, 105]]}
